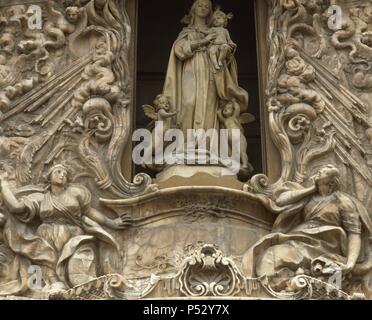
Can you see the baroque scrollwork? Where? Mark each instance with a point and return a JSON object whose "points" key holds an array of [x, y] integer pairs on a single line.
{"points": [[51, 78], [207, 273], [204, 272], [66, 118], [65, 94], [318, 106]]}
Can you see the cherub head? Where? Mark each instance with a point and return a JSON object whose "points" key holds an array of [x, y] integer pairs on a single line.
{"points": [[161, 102], [72, 14], [228, 109], [221, 19]]}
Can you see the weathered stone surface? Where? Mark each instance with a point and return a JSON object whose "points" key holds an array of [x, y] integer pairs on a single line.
{"points": [[73, 226]]}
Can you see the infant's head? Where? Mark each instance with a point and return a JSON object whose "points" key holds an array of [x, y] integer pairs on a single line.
{"points": [[161, 102], [228, 109], [72, 14], [220, 18]]}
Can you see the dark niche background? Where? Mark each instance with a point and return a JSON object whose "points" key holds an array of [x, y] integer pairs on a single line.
{"points": [[158, 27]]}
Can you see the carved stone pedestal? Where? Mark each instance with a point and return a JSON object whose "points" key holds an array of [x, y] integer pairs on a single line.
{"points": [[190, 176], [188, 171]]}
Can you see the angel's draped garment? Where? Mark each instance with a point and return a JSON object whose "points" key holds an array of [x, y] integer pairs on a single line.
{"points": [[315, 232], [64, 227]]}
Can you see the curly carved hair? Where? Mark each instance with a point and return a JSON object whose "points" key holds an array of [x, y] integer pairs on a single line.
{"points": [[157, 100], [219, 13]]}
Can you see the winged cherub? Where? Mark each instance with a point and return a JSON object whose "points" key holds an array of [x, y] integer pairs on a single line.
{"points": [[161, 115]]}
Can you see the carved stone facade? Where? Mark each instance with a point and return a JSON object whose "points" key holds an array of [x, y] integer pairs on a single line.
{"points": [[75, 223]]}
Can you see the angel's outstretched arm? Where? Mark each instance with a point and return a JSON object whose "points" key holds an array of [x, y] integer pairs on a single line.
{"points": [[100, 218], [11, 202], [292, 197], [165, 114]]}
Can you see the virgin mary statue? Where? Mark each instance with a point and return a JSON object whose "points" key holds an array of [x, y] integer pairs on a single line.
{"points": [[193, 85]]}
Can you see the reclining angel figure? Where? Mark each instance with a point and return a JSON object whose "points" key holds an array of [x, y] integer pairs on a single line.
{"points": [[319, 231]]}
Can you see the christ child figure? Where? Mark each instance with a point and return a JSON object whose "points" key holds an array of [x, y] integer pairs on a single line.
{"points": [[222, 46]]}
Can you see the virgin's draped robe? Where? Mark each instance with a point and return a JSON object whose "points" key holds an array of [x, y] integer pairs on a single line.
{"points": [[195, 88]]}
